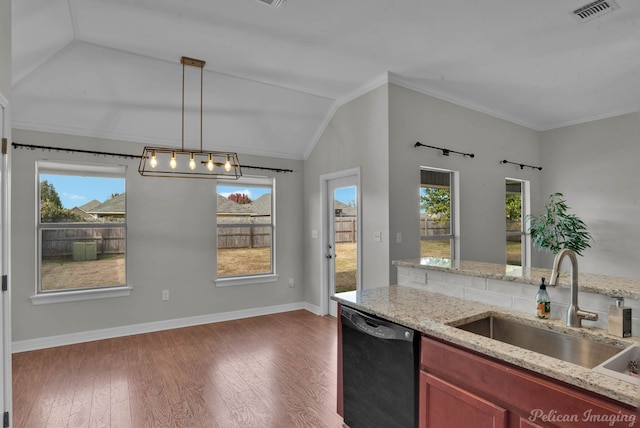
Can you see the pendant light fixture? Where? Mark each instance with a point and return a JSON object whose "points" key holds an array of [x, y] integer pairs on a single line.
{"points": [[189, 163]]}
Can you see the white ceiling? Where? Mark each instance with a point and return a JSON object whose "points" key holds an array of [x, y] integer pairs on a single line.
{"points": [[274, 76]]}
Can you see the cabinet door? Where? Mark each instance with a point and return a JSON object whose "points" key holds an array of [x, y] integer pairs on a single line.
{"points": [[442, 404], [524, 423]]}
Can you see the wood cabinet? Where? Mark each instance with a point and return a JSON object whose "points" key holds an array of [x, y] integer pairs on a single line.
{"points": [[447, 405], [461, 389]]}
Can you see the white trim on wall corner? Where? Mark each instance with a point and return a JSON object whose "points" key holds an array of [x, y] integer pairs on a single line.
{"points": [[109, 333], [366, 88]]}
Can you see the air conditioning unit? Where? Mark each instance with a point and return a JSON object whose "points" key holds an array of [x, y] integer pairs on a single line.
{"points": [[273, 3]]}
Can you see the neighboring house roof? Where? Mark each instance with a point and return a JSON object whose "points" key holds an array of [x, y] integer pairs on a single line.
{"points": [[82, 213], [89, 205], [113, 206], [261, 206], [228, 207], [345, 210]]}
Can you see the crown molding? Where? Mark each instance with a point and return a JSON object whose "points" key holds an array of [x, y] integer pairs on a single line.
{"points": [[409, 84]]}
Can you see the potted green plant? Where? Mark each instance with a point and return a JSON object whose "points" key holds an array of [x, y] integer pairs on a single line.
{"points": [[556, 229]]}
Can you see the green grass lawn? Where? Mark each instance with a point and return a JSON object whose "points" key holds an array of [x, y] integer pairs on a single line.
{"points": [[442, 249]]}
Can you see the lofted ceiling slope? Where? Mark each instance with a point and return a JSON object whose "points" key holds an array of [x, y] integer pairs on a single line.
{"points": [[274, 76]]}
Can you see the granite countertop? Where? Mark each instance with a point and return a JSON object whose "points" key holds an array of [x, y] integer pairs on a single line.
{"points": [[436, 315], [587, 282]]}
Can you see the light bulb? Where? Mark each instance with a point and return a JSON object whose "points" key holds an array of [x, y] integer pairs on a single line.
{"points": [[154, 161], [227, 165], [172, 163], [210, 164], [192, 162]]}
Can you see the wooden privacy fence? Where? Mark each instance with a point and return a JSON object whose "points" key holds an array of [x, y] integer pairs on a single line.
{"points": [[58, 243], [256, 235], [345, 228], [429, 227], [249, 236]]}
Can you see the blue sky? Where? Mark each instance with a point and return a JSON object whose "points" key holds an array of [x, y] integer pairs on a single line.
{"points": [[253, 192], [346, 194], [77, 191]]}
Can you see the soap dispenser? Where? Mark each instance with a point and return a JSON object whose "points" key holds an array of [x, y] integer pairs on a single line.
{"points": [[543, 302], [619, 319]]}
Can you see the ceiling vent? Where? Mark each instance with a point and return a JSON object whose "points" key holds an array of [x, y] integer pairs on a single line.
{"points": [[273, 3], [594, 10]]}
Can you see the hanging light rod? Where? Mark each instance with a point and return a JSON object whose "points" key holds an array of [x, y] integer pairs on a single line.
{"points": [[189, 163], [445, 152], [119, 155], [522, 166]]}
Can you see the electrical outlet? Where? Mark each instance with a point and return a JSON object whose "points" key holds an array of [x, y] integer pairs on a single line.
{"points": [[398, 237], [165, 295], [377, 236], [290, 282]]}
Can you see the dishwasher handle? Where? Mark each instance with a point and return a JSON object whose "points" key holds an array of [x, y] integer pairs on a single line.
{"points": [[374, 326]]}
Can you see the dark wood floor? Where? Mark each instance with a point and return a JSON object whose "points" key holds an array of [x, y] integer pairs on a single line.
{"points": [[270, 371]]}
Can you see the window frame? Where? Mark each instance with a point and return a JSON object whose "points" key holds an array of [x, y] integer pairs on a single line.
{"points": [[45, 167], [272, 276], [525, 235], [454, 220]]}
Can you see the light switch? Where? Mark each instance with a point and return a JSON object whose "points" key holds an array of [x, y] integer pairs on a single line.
{"points": [[398, 237], [314, 233]]}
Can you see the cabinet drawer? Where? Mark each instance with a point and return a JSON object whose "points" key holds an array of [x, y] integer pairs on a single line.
{"points": [[518, 390]]}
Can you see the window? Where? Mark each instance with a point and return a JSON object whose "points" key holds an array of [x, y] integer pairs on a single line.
{"points": [[437, 214], [81, 227], [516, 210], [245, 230]]}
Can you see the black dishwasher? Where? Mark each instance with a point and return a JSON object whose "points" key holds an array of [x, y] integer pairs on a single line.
{"points": [[379, 372]]}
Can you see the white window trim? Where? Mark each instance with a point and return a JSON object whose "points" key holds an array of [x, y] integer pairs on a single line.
{"points": [[231, 281], [245, 280], [74, 295], [79, 295]]}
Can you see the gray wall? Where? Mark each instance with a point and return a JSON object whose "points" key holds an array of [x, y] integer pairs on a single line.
{"points": [[418, 117], [5, 48], [595, 165], [356, 136], [171, 245]]}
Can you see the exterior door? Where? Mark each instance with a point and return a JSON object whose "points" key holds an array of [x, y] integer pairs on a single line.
{"points": [[341, 242], [5, 296]]}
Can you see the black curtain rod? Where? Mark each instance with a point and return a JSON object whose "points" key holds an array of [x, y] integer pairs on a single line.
{"points": [[63, 149], [120, 155], [445, 152], [266, 168], [521, 165]]}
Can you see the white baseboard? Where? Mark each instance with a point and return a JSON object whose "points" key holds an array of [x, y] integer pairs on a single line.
{"points": [[108, 333], [313, 309]]}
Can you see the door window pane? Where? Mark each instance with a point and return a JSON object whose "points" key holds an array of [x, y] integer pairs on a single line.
{"points": [[514, 214], [345, 222]]}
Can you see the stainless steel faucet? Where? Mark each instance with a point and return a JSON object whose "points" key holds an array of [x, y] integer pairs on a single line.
{"points": [[574, 314]]}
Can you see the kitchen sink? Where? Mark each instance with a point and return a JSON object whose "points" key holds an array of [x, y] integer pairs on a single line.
{"points": [[618, 365], [577, 350]]}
